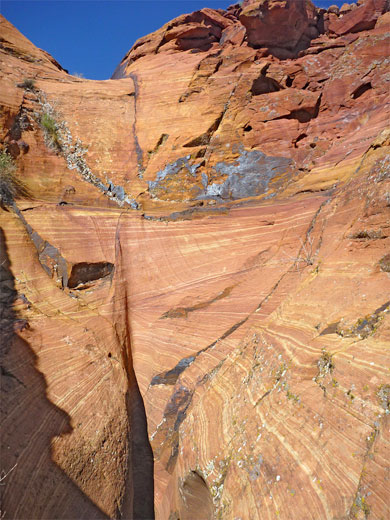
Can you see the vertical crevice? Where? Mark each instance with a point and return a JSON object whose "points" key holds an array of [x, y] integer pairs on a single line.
{"points": [[138, 500], [141, 455], [138, 149]]}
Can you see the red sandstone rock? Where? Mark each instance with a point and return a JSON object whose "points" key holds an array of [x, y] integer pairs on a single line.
{"points": [[198, 30], [383, 21], [334, 9], [213, 253], [346, 8], [277, 23], [360, 19]]}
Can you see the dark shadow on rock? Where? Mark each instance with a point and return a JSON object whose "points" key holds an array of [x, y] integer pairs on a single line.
{"points": [[32, 484], [142, 462], [138, 501]]}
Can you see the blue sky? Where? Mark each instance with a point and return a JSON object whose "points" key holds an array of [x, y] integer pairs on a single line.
{"points": [[92, 36]]}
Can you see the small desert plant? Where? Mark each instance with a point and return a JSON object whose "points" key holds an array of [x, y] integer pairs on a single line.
{"points": [[384, 263], [10, 186], [78, 75], [50, 128], [28, 84], [306, 254]]}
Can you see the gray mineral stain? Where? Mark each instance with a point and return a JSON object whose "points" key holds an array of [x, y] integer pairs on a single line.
{"points": [[248, 176]]}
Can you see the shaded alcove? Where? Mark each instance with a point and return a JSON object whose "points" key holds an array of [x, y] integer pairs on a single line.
{"points": [[195, 498]]}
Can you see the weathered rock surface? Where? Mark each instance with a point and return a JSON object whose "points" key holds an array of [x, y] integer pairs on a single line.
{"points": [[360, 19], [279, 24], [194, 276]]}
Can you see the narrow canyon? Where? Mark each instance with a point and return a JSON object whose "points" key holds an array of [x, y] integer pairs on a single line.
{"points": [[195, 271]]}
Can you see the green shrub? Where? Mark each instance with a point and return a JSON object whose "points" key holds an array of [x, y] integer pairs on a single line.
{"points": [[28, 84], [50, 128], [10, 186]]}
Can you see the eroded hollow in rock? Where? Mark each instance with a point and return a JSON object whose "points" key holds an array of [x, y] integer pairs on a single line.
{"points": [[361, 90], [86, 272], [264, 85], [196, 499]]}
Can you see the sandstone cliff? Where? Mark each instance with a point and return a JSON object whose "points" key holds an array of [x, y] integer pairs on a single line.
{"points": [[194, 271]]}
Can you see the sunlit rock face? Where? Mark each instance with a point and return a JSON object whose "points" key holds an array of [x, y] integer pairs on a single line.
{"points": [[280, 24], [194, 271]]}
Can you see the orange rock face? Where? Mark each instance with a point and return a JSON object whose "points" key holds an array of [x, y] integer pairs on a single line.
{"points": [[194, 271]]}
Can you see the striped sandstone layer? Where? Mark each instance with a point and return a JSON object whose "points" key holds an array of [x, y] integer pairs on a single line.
{"points": [[194, 280]]}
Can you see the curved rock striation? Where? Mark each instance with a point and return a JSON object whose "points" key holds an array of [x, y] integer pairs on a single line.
{"points": [[194, 271]]}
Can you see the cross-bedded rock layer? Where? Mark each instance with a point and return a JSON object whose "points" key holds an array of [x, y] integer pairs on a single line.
{"points": [[194, 280]]}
